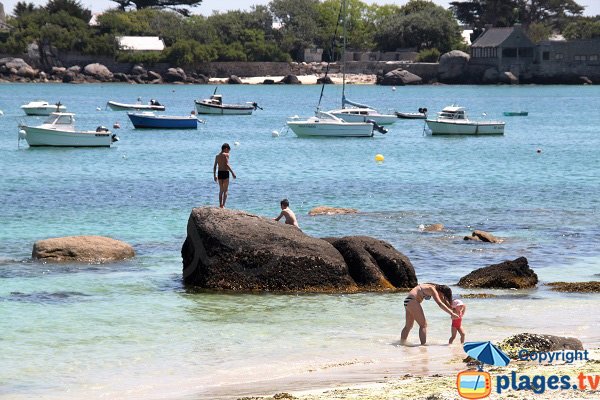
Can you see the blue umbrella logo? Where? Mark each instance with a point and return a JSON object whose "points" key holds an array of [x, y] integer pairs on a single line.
{"points": [[486, 353]]}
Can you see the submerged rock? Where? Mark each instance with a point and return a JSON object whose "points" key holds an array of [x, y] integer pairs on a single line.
{"points": [[506, 275], [89, 249], [579, 287], [374, 264], [326, 210], [234, 250], [483, 236], [537, 343]]}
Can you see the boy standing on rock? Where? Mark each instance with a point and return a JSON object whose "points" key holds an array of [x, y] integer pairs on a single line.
{"points": [[222, 161]]}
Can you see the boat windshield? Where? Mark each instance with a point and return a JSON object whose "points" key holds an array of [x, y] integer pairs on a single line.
{"points": [[60, 120], [452, 115]]}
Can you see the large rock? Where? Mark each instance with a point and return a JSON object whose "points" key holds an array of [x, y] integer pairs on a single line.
{"points": [[98, 71], [399, 77], [374, 264], [138, 69], [506, 275], [234, 250], [452, 66], [15, 63], [89, 249], [490, 75], [290, 80], [174, 75], [532, 342], [234, 80]]}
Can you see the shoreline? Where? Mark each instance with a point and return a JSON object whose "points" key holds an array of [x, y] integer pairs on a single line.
{"points": [[443, 386]]}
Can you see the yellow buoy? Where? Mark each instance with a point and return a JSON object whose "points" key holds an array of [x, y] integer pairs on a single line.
{"points": [[379, 158]]}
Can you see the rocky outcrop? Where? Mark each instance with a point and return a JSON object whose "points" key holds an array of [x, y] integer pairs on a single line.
{"points": [[532, 342], [234, 80], [98, 71], [576, 287], [234, 250], [432, 228], [324, 80], [88, 249], [326, 210], [482, 236], [174, 75], [453, 66], [290, 80], [506, 275], [399, 77], [374, 264]]}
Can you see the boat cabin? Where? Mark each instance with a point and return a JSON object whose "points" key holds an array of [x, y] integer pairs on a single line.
{"points": [[452, 112], [216, 99], [356, 111], [60, 120]]}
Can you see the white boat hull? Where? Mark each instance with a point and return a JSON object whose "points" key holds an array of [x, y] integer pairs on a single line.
{"points": [[330, 129], [380, 119], [138, 107], [465, 128], [225, 109], [43, 110], [52, 137]]}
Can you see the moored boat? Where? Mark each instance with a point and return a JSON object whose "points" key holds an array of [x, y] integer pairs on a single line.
{"points": [[356, 114], [214, 105], [42, 107], [325, 124], [154, 105], [150, 120], [422, 114], [59, 130], [453, 120]]}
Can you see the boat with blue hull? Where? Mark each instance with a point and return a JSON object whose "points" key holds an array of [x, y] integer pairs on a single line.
{"points": [[149, 120]]}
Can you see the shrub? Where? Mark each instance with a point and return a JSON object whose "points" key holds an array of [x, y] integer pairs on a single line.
{"points": [[428, 55]]}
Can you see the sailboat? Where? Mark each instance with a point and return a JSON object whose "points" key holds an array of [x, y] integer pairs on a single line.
{"points": [[326, 124]]}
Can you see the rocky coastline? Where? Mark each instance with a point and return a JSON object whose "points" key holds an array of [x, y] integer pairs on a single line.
{"points": [[453, 68]]}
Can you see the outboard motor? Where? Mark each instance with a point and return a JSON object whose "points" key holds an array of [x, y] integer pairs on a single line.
{"points": [[102, 129], [423, 110], [114, 138], [255, 105], [377, 127], [154, 102]]}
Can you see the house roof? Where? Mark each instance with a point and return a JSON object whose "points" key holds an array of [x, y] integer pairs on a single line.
{"points": [[493, 37], [140, 43]]}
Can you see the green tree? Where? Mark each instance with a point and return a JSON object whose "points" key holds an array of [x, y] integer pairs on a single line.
{"points": [[420, 24], [71, 7], [177, 5], [189, 53], [298, 20], [22, 8], [582, 28], [538, 32]]}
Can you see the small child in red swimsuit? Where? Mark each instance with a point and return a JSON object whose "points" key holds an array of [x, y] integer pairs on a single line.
{"points": [[459, 308]]}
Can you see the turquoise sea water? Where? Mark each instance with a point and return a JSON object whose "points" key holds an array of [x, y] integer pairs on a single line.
{"points": [[131, 330]]}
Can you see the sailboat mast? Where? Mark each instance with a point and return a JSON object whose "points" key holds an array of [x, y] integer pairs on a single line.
{"points": [[344, 53]]}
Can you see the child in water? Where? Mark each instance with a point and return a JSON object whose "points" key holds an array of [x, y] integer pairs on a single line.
{"points": [[459, 308]]}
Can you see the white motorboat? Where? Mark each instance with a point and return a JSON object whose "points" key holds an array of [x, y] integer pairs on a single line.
{"points": [[337, 123], [325, 124], [41, 107], [364, 114], [215, 105], [59, 130], [453, 120], [154, 105]]}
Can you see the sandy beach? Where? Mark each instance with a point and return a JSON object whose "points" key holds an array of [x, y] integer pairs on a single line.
{"points": [[443, 386], [357, 79]]}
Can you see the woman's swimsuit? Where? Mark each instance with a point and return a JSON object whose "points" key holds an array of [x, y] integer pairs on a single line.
{"points": [[223, 175], [411, 297]]}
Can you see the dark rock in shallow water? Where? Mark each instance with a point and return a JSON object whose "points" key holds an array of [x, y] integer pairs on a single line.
{"points": [[399, 77], [234, 80], [506, 275], [89, 249], [234, 250], [375, 264], [579, 287], [538, 343], [324, 80]]}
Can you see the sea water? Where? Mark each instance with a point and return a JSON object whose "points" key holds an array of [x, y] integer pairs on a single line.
{"points": [[132, 330]]}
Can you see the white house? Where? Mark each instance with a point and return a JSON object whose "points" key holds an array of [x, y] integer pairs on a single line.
{"points": [[140, 43]]}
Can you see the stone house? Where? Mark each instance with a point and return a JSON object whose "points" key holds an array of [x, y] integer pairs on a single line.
{"points": [[568, 58], [506, 49]]}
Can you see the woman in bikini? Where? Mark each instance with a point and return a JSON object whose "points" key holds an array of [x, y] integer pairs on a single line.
{"points": [[442, 295]]}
